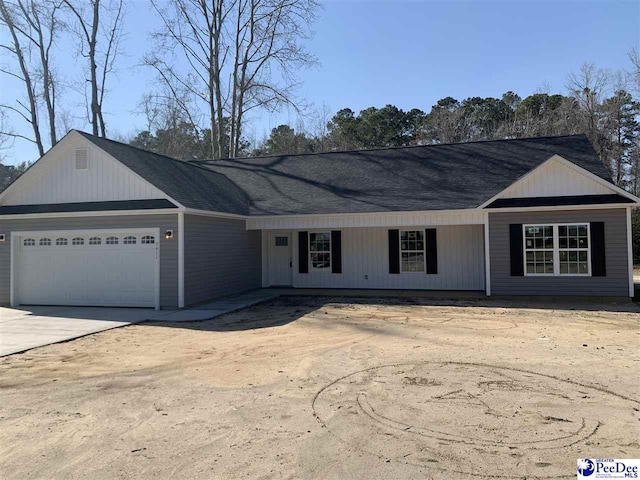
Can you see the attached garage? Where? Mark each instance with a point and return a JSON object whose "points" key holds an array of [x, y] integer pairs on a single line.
{"points": [[86, 267]]}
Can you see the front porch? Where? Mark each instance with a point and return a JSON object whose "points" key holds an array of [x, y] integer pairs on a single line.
{"points": [[435, 261]]}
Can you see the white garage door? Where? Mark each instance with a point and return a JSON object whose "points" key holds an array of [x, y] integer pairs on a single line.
{"points": [[93, 268]]}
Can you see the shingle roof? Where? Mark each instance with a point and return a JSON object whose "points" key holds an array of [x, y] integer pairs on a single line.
{"points": [[433, 177], [430, 177], [191, 185]]}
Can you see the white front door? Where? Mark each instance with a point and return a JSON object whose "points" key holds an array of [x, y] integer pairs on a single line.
{"points": [[91, 267], [280, 260]]}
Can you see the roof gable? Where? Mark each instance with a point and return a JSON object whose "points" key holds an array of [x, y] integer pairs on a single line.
{"points": [[558, 177], [190, 185], [54, 179]]}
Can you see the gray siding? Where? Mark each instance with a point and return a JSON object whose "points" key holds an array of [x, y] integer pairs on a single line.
{"points": [[220, 258], [615, 284], [168, 248]]}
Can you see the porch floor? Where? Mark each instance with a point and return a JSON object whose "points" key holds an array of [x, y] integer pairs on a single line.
{"points": [[364, 292], [231, 304]]}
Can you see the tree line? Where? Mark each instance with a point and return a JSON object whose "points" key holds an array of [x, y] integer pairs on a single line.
{"points": [[602, 105]]}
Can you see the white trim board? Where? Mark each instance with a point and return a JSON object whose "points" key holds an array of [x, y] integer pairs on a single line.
{"points": [[425, 218], [86, 231], [207, 213], [385, 219]]}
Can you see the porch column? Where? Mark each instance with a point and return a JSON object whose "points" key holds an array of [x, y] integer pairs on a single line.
{"points": [[487, 256]]}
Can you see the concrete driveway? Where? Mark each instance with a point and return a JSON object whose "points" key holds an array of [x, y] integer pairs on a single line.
{"points": [[28, 327]]}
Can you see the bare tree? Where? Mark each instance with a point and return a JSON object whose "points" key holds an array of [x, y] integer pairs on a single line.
{"points": [[268, 35], [6, 140], [320, 127], [98, 23], [589, 87], [33, 27], [44, 23], [65, 121], [634, 57], [241, 55]]}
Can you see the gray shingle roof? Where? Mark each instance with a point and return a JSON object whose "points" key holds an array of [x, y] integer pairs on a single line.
{"points": [[191, 185], [434, 177], [431, 177]]}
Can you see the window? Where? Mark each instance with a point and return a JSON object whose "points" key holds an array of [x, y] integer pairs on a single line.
{"points": [[61, 241], [112, 241], [29, 242], [146, 240], [557, 249], [77, 241], [538, 245], [129, 240], [45, 242], [412, 251], [95, 241], [282, 241], [320, 250], [573, 247]]}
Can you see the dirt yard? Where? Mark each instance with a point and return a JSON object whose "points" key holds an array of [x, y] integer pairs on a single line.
{"points": [[324, 388]]}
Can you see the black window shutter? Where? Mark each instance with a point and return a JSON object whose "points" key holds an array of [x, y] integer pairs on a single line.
{"points": [[336, 251], [303, 252], [516, 249], [394, 251], [431, 247], [598, 257]]}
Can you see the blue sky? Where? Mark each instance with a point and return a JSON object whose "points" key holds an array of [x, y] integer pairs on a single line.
{"points": [[406, 53]]}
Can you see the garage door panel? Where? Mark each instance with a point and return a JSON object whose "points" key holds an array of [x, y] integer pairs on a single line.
{"points": [[93, 268]]}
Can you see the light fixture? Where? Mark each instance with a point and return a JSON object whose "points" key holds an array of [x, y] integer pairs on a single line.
{"points": [[168, 234], [2, 237]]}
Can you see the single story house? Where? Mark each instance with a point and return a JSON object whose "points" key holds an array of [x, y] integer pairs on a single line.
{"points": [[97, 222]]}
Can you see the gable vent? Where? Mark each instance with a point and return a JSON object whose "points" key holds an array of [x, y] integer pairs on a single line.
{"points": [[82, 159]]}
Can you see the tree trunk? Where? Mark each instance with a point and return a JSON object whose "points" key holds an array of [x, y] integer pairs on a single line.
{"points": [[32, 117], [48, 87], [95, 107]]}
